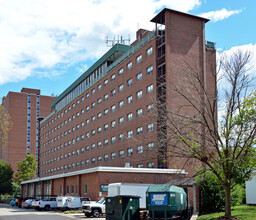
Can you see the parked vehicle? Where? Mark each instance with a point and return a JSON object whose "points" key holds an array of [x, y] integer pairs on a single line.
{"points": [[131, 189], [47, 203], [76, 202], [62, 202], [23, 199], [27, 203], [94, 209]]}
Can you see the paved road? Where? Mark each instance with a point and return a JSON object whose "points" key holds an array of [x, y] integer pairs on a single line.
{"points": [[8, 212]]}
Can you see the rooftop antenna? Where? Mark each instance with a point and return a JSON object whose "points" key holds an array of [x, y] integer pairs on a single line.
{"points": [[119, 40]]}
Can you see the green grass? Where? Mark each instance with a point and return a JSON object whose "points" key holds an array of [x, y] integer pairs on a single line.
{"points": [[243, 212], [73, 211]]}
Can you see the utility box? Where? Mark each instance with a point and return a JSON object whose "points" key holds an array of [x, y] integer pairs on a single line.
{"points": [[165, 201], [122, 207]]}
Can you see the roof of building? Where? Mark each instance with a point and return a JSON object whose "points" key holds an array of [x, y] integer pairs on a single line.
{"points": [[158, 17], [117, 47], [109, 169]]}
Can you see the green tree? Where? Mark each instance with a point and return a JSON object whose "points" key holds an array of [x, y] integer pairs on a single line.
{"points": [[226, 146], [26, 169], [6, 174], [5, 126]]}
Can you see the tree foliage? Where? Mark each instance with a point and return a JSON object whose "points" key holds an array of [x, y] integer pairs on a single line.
{"points": [[225, 147], [26, 169], [5, 126], [6, 174]]}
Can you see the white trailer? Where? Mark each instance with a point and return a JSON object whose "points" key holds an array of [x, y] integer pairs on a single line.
{"points": [[250, 188], [131, 189], [62, 202], [76, 202]]}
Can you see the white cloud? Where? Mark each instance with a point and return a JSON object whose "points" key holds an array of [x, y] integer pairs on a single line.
{"points": [[43, 33], [220, 14]]}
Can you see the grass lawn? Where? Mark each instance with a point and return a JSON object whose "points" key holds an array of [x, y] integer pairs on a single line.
{"points": [[243, 212]]}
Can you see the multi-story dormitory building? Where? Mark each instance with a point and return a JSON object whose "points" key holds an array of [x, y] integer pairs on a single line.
{"points": [[24, 108], [99, 130]]}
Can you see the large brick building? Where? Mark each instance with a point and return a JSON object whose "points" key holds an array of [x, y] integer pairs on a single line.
{"points": [[25, 108], [100, 123]]}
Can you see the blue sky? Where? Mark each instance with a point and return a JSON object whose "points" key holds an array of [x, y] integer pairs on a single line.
{"points": [[48, 44]]}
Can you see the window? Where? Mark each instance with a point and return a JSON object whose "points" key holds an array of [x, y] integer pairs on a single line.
{"points": [[106, 157], [93, 160], [99, 101], [129, 99], [113, 77], [113, 156], [139, 76], [106, 82], [87, 121], [99, 115], [150, 165], [106, 97], [139, 149], [93, 132], [87, 95], [93, 118], [106, 142], [99, 130], [149, 70], [121, 120], [139, 165], [113, 140], [129, 117], [113, 92], [87, 162], [129, 151], [99, 87], [150, 107], [121, 88], [82, 150], [82, 137], [73, 106], [113, 124], [139, 94], [139, 130], [150, 89], [106, 127], [99, 159], [120, 72], [82, 124], [150, 146], [93, 104], [82, 111], [129, 82], [121, 137], [93, 91], [87, 135], [85, 188], [129, 66], [87, 148], [139, 59], [121, 104], [87, 108], [93, 146], [150, 127], [82, 99], [149, 51], [113, 108], [77, 152], [139, 112], [121, 153], [129, 134], [106, 111], [99, 144]]}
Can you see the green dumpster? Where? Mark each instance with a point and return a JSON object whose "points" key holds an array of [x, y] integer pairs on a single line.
{"points": [[122, 207], [165, 201]]}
